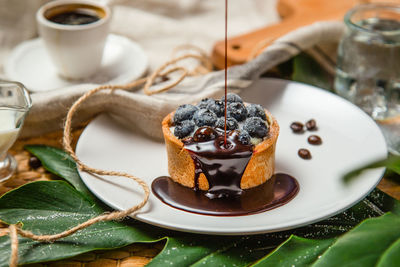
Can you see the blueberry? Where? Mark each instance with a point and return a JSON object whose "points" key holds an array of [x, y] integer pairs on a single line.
{"points": [[255, 110], [218, 107], [204, 117], [184, 112], [237, 110], [256, 127], [231, 124], [204, 102], [244, 137], [204, 134], [184, 129], [231, 98]]}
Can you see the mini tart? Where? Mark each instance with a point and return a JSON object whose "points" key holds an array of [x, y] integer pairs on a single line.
{"points": [[259, 169]]}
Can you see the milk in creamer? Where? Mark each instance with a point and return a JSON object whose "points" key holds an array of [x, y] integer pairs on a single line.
{"points": [[10, 120]]}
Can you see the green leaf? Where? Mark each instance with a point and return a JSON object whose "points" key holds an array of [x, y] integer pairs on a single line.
{"points": [[203, 250], [374, 242], [49, 207], [296, 251], [307, 70], [364, 245], [61, 164], [391, 257], [240, 252], [392, 163], [184, 251]]}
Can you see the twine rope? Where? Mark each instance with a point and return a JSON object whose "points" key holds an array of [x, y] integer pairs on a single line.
{"points": [[162, 72]]}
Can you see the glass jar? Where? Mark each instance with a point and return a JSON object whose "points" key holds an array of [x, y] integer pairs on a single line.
{"points": [[368, 66]]}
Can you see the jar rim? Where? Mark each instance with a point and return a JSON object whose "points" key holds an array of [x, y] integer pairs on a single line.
{"points": [[371, 6]]}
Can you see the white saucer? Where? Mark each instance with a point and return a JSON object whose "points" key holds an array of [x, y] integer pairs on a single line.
{"points": [[350, 139], [123, 61]]}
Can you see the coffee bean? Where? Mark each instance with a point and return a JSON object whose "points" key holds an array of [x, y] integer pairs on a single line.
{"points": [[297, 127], [311, 125], [304, 153], [314, 140], [34, 162]]}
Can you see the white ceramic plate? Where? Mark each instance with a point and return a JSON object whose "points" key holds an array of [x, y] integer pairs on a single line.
{"points": [[350, 139], [29, 63]]}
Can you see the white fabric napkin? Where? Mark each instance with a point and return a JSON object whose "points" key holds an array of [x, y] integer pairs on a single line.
{"points": [[160, 26]]}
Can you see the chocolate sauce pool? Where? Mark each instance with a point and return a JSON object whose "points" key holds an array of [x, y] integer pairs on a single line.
{"points": [[224, 168], [223, 165], [277, 191]]}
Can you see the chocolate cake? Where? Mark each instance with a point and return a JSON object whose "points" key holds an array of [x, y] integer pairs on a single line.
{"points": [[201, 156]]}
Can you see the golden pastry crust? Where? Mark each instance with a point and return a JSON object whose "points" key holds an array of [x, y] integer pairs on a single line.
{"points": [[259, 169]]}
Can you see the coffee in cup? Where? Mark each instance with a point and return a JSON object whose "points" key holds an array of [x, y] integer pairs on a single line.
{"points": [[74, 14], [74, 33]]}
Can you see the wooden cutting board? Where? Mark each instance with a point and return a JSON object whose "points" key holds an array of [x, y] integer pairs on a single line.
{"points": [[294, 14]]}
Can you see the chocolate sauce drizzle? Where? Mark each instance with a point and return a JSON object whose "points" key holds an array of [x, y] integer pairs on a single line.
{"points": [[226, 68], [223, 165]]}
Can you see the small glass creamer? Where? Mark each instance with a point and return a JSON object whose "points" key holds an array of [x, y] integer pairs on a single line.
{"points": [[15, 103], [368, 66]]}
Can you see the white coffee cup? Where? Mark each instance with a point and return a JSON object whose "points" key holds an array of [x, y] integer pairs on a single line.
{"points": [[76, 50]]}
